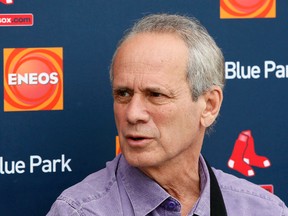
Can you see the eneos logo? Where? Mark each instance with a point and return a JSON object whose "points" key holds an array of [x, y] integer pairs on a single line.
{"points": [[33, 79], [234, 9]]}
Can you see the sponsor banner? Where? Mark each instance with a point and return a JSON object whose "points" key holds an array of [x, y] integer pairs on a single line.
{"points": [[235, 9], [269, 69], [35, 164], [33, 79], [25, 19]]}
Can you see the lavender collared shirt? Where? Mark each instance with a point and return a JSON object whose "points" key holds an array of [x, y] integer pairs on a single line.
{"points": [[122, 190]]}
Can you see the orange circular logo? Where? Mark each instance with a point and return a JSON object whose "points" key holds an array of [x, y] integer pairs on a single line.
{"points": [[33, 79], [247, 8]]}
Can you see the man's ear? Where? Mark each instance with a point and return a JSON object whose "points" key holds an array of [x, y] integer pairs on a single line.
{"points": [[213, 100]]}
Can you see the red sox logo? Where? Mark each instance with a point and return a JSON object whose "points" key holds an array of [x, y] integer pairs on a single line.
{"points": [[244, 156]]}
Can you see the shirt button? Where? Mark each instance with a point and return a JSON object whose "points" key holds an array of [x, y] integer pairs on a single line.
{"points": [[171, 205]]}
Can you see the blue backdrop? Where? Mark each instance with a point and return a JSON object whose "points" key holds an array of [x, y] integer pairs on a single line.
{"points": [[84, 130]]}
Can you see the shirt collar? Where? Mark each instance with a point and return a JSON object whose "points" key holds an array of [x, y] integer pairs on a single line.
{"points": [[202, 207], [146, 195]]}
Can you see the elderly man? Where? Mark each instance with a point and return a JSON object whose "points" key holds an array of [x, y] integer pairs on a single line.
{"points": [[167, 77]]}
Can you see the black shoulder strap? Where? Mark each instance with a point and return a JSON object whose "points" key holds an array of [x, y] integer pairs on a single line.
{"points": [[217, 205]]}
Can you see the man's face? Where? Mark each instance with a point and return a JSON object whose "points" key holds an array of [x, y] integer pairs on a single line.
{"points": [[157, 120]]}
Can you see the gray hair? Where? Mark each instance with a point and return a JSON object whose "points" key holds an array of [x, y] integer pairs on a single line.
{"points": [[205, 61]]}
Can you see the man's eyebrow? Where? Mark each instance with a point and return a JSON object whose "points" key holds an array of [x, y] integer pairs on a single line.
{"points": [[145, 89], [120, 88], [159, 90], [152, 89]]}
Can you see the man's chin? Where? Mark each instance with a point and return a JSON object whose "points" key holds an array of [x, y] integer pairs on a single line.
{"points": [[139, 160]]}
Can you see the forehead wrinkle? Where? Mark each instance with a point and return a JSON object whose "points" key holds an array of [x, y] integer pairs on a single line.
{"points": [[154, 58], [135, 78], [140, 66]]}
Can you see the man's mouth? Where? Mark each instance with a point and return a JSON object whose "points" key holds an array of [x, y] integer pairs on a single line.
{"points": [[138, 140]]}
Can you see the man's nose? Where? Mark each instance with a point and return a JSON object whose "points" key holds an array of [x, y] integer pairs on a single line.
{"points": [[137, 110]]}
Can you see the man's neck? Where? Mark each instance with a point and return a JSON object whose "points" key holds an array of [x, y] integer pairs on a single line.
{"points": [[180, 179]]}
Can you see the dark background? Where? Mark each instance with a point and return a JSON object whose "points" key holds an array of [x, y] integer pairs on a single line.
{"points": [[84, 131]]}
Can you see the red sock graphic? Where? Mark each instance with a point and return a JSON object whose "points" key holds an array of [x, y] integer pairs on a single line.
{"points": [[250, 156], [236, 159], [7, 1]]}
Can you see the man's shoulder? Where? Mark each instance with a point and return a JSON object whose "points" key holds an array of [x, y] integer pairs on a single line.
{"points": [[239, 191], [94, 186], [228, 182], [97, 193]]}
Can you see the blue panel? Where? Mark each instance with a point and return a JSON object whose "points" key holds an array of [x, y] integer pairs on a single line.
{"points": [[85, 132]]}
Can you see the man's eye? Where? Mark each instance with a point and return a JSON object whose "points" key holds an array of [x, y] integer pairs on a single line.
{"points": [[156, 94], [158, 98], [122, 95]]}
